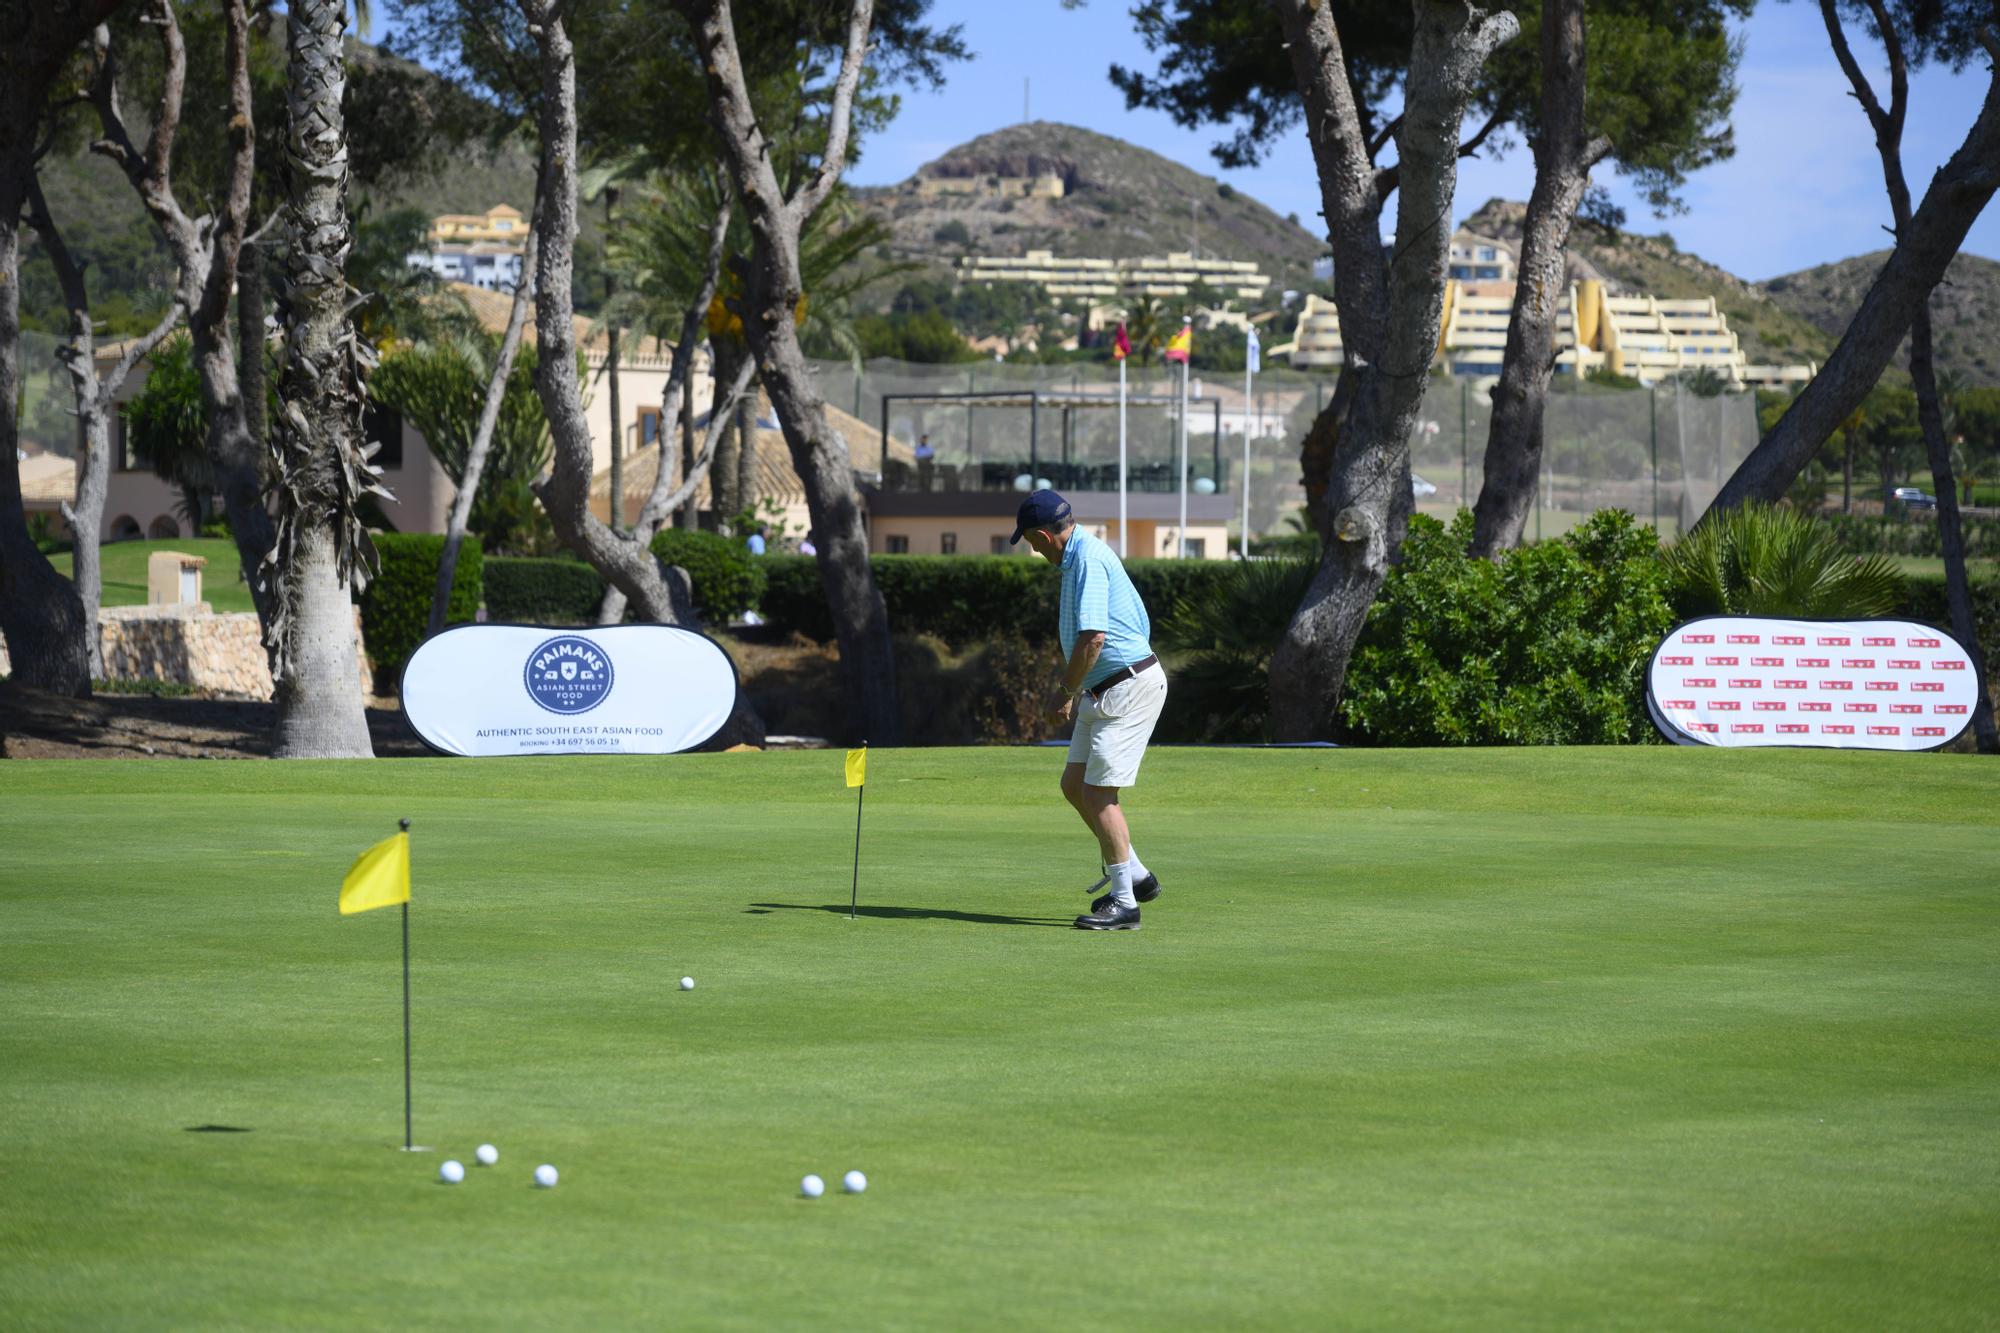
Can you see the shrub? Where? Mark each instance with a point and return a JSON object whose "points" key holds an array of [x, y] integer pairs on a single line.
{"points": [[1222, 639], [727, 579], [538, 591], [1915, 535], [1924, 599], [397, 605], [1545, 646], [1757, 560]]}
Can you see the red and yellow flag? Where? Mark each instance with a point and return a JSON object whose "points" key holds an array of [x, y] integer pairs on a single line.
{"points": [[1181, 346], [1121, 346]]}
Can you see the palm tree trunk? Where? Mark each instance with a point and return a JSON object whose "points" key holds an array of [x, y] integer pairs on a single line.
{"points": [[321, 548]]}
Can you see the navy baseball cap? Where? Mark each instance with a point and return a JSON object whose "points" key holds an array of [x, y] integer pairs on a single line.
{"points": [[1043, 509]]}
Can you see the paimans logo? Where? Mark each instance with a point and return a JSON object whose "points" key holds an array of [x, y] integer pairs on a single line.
{"points": [[568, 674]]}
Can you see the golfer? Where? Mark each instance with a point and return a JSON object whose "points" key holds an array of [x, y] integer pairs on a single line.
{"points": [[1115, 687]]}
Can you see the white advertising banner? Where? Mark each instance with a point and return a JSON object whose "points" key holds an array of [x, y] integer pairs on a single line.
{"points": [[1742, 681], [540, 689]]}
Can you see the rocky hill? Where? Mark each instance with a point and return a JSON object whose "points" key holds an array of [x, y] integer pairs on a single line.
{"points": [[1965, 308], [1045, 186]]}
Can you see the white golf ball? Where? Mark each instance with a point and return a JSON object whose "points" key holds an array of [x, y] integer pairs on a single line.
{"points": [[545, 1176], [487, 1154], [687, 983], [451, 1173], [854, 1182], [812, 1187]]}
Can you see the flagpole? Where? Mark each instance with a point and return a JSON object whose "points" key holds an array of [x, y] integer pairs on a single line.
{"points": [[1244, 482], [1124, 529], [1181, 552], [408, 1138]]}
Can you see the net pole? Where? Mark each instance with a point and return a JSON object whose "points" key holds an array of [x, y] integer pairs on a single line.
{"points": [[1124, 529]]}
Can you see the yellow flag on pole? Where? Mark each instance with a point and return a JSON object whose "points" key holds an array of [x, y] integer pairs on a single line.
{"points": [[380, 877], [857, 767]]}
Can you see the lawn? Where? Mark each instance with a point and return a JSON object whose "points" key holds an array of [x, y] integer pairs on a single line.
{"points": [[124, 567], [1618, 1038]]}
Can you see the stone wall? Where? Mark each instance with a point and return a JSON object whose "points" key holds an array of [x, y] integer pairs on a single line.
{"points": [[189, 644]]}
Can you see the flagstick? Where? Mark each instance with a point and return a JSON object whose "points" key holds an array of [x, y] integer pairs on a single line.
{"points": [[1124, 541], [408, 1140], [854, 893]]}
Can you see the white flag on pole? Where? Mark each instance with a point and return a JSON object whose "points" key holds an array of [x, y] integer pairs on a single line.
{"points": [[1253, 354]]}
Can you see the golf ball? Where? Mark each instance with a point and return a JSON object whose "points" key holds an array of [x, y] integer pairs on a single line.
{"points": [[812, 1187], [854, 1182], [487, 1154], [451, 1173], [545, 1176], [687, 983]]}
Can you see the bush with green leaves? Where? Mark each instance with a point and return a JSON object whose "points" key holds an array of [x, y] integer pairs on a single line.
{"points": [[1219, 640], [1915, 535], [535, 590], [1758, 560], [727, 579], [1545, 646], [396, 608]]}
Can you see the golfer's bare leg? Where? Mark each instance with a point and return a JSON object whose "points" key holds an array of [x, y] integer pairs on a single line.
{"points": [[1072, 790], [1107, 820]]}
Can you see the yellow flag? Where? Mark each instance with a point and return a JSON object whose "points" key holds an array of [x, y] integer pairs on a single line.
{"points": [[857, 766], [380, 877]]}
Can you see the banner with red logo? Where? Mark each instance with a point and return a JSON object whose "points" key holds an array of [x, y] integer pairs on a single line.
{"points": [[1742, 681]]}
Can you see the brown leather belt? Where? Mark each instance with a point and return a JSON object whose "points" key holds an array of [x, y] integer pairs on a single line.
{"points": [[1103, 687]]}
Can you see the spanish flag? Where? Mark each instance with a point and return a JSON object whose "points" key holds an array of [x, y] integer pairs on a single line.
{"points": [[857, 767], [1181, 346], [1121, 346], [380, 877]]}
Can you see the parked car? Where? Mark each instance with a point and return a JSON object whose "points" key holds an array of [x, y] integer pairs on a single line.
{"points": [[1915, 498], [1420, 488]]}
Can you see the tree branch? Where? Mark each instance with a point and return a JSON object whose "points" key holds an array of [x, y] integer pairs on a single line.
{"points": [[718, 419], [839, 115], [1473, 145], [662, 502], [1381, 139]]}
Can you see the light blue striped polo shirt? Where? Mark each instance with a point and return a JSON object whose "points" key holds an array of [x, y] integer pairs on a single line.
{"points": [[1097, 594]]}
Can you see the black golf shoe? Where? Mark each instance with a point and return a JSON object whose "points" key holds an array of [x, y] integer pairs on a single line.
{"points": [[1110, 917], [1144, 890]]}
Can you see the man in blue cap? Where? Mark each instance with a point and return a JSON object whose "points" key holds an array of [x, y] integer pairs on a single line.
{"points": [[1115, 687]]}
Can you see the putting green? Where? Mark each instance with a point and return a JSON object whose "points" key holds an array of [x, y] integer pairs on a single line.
{"points": [[1639, 1038]]}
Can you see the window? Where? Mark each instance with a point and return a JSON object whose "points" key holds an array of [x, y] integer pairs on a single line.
{"points": [[1486, 252], [649, 427], [898, 545], [999, 544], [1197, 548], [948, 544], [384, 426]]}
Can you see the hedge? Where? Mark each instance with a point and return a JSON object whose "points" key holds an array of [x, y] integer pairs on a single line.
{"points": [[1916, 535], [1924, 600], [536, 591], [727, 579], [962, 599], [396, 608]]}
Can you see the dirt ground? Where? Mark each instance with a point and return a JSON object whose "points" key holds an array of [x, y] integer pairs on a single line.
{"points": [[34, 725]]}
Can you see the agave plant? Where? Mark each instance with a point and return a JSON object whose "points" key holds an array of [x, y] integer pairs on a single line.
{"points": [[1223, 647], [1762, 561]]}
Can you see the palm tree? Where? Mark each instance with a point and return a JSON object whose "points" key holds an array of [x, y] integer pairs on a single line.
{"points": [[1142, 329], [1758, 560], [322, 551]]}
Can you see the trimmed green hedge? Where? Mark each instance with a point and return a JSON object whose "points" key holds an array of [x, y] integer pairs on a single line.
{"points": [[397, 605], [727, 579], [1916, 535], [538, 591], [1924, 599], [963, 599]]}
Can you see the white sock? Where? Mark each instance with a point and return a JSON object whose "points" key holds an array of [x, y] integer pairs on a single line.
{"points": [[1139, 871], [1121, 885]]}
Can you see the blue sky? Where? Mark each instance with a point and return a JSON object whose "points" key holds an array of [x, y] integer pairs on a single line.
{"points": [[1804, 188]]}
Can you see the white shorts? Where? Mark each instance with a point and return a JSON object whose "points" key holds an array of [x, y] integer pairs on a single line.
{"points": [[1111, 732]]}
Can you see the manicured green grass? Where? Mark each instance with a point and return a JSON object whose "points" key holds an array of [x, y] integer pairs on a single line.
{"points": [[1621, 1038], [1932, 566], [124, 568]]}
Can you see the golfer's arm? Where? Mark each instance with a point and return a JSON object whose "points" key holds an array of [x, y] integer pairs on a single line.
{"points": [[1089, 644]]}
